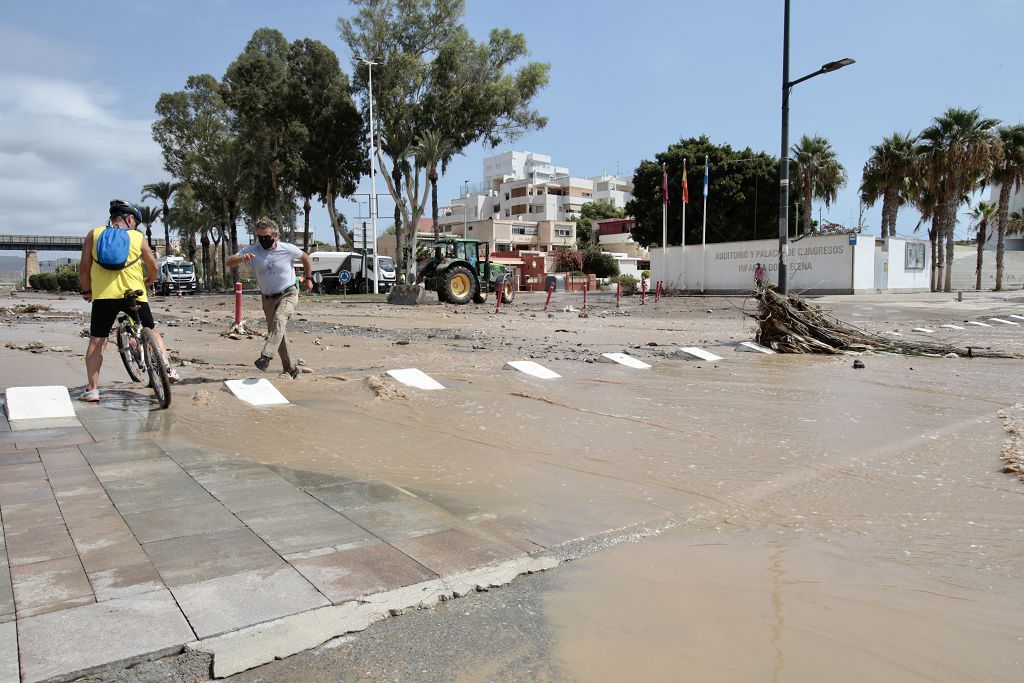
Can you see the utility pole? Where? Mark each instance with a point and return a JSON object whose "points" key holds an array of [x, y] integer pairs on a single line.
{"points": [[373, 176]]}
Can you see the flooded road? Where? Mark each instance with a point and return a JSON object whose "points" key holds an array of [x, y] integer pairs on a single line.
{"points": [[821, 522]]}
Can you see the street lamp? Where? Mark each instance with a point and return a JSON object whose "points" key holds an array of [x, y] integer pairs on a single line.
{"points": [[465, 208], [787, 85], [373, 176]]}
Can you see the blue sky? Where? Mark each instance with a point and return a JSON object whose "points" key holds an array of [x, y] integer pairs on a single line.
{"points": [[78, 81]]}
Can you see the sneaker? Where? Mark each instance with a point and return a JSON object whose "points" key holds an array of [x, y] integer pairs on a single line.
{"points": [[172, 375], [263, 362], [294, 372], [90, 396]]}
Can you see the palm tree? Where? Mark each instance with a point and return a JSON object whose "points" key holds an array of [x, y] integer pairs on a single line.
{"points": [[149, 216], [959, 149], [980, 217], [1009, 173], [819, 175], [229, 174], [888, 174], [162, 191], [430, 150]]}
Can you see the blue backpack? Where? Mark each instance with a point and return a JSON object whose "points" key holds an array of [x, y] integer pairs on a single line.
{"points": [[112, 249]]}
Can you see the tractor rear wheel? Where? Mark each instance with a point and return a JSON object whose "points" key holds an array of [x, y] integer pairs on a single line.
{"points": [[459, 285]]}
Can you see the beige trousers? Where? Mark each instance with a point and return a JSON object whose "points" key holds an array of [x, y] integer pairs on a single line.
{"points": [[277, 311]]}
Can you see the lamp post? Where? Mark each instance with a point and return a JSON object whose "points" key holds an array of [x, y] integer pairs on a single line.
{"points": [[465, 208], [373, 176], [787, 85]]}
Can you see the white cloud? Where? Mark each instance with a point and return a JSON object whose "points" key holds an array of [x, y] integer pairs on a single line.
{"points": [[65, 152]]}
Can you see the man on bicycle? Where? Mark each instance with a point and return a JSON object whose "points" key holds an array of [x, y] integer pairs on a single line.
{"points": [[105, 287]]}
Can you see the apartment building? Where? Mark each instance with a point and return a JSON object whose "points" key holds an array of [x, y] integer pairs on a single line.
{"points": [[520, 235], [528, 185], [515, 165], [616, 235]]}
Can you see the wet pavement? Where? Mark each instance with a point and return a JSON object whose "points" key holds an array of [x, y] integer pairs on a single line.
{"points": [[809, 503]]}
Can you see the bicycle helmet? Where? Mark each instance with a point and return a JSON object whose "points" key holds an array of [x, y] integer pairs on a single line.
{"points": [[122, 208]]}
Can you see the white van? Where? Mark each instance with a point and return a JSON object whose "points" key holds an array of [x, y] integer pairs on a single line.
{"points": [[330, 265]]}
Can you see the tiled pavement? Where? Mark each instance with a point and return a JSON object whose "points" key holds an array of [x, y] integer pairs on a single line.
{"points": [[118, 542]]}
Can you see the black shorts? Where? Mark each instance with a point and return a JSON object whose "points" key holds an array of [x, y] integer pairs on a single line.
{"points": [[104, 315]]}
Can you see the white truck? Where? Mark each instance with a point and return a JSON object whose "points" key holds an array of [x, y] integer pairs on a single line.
{"points": [[330, 265], [175, 274]]}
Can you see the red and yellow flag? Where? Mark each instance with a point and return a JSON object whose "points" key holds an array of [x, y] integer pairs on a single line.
{"points": [[686, 190]]}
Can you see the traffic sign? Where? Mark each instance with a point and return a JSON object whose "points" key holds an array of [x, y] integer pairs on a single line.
{"points": [[344, 276]]}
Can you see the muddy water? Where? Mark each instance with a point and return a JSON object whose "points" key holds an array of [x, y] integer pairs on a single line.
{"points": [[840, 524], [747, 607]]}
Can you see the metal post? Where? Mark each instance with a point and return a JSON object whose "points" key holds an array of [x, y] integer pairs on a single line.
{"points": [[373, 181], [784, 162], [238, 303], [364, 256]]}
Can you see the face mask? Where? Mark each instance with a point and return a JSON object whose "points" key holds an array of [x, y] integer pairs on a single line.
{"points": [[266, 241]]}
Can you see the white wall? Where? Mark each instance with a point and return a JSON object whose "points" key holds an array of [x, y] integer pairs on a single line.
{"points": [[901, 279], [816, 264], [863, 263]]}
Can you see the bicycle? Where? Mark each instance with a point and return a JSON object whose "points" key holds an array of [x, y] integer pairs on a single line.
{"points": [[139, 351]]}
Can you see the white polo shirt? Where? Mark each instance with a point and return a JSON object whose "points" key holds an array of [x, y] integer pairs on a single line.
{"points": [[273, 268]]}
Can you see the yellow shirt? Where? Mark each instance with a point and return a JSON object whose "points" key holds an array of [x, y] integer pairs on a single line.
{"points": [[112, 284]]}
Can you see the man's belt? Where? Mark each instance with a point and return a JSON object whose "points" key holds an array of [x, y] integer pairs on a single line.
{"points": [[281, 293]]}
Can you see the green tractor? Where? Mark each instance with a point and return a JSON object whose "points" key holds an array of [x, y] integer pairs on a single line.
{"points": [[461, 270]]}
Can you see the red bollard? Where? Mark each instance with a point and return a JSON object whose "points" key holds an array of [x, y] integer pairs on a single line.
{"points": [[497, 304], [238, 303], [643, 292], [585, 288], [551, 290], [657, 292], [618, 294]]}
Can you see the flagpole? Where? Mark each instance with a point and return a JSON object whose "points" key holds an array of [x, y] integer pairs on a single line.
{"points": [[664, 224], [704, 228], [682, 242]]}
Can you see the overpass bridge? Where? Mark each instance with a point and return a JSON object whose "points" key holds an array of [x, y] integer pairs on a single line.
{"points": [[33, 244]]}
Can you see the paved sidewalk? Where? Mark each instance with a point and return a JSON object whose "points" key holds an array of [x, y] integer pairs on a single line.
{"points": [[119, 543]]}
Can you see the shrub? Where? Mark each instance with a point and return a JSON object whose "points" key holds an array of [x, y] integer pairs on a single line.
{"points": [[646, 275], [600, 263], [68, 282], [628, 282], [45, 282], [568, 261]]}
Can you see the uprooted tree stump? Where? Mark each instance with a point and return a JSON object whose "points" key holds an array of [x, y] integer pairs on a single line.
{"points": [[789, 324]]}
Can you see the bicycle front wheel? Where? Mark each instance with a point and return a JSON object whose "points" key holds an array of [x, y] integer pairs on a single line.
{"points": [[131, 354], [157, 370]]}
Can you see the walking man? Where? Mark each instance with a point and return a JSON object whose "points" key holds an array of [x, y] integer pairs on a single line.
{"points": [[758, 275], [110, 266], [271, 262]]}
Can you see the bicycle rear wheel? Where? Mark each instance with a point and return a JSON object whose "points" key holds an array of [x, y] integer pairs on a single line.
{"points": [[131, 354], [157, 370]]}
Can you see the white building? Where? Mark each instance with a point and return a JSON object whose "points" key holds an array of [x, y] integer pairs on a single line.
{"points": [[517, 165], [526, 186], [616, 190]]}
